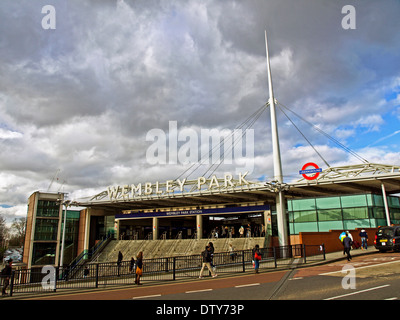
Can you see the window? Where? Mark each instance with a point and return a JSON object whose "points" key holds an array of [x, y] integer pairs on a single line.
{"points": [[330, 215], [379, 213], [46, 229], [304, 216], [44, 253], [47, 208], [388, 232], [354, 201], [304, 204], [355, 213], [393, 202], [328, 203]]}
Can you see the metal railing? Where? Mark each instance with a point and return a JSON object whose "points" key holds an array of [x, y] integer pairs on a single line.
{"points": [[100, 275]]}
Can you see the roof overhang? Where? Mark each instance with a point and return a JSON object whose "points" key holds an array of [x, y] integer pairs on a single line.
{"points": [[345, 180]]}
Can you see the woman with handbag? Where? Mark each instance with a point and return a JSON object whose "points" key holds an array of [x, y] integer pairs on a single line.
{"points": [[256, 257], [139, 267]]}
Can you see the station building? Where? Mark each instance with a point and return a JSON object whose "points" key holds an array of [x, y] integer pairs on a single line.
{"points": [[342, 198]]}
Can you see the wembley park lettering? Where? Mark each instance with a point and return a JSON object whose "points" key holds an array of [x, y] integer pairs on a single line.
{"points": [[169, 187]]}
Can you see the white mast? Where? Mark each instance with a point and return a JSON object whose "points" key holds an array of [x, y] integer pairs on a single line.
{"points": [[280, 197]]}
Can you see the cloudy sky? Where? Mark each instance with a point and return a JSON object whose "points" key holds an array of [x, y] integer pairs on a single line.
{"points": [[77, 101]]}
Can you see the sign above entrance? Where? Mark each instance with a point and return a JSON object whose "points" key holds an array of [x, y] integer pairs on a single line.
{"points": [[178, 186], [304, 171], [193, 212]]}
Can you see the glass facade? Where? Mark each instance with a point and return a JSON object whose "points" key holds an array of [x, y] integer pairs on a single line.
{"points": [[342, 212], [46, 230], [71, 235]]}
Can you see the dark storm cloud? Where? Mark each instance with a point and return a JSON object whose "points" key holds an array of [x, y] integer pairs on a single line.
{"points": [[82, 97]]}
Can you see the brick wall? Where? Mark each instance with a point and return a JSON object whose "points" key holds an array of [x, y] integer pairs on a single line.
{"points": [[331, 238]]}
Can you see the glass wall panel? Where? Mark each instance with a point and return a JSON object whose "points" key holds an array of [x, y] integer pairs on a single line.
{"points": [[324, 226], [328, 203], [289, 205], [370, 200], [354, 201], [394, 216], [44, 253], [46, 229], [355, 213], [47, 208], [305, 227], [353, 224], [378, 200], [303, 204], [330, 215], [393, 202], [304, 216], [379, 213]]}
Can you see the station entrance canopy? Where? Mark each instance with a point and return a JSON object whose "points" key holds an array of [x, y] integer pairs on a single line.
{"points": [[202, 192]]}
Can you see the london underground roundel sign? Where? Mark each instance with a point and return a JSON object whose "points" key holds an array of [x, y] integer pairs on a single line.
{"points": [[304, 171]]}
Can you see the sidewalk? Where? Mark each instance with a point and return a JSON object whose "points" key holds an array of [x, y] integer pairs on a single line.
{"points": [[339, 256]]}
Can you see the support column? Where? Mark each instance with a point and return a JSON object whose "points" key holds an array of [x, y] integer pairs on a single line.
{"points": [[87, 231], [281, 219], [386, 204], [155, 228], [199, 226], [278, 176]]}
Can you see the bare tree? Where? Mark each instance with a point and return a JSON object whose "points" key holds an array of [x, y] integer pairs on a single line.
{"points": [[18, 229]]}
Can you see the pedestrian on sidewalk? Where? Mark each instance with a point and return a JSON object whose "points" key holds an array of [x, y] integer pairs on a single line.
{"points": [[132, 265], [119, 261], [347, 243], [232, 252], [212, 249], [206, 254], [364, 239], [6, 275], [256, 257], [139, 267]]}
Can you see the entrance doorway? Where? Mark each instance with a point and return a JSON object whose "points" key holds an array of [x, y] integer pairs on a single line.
{"points": [[246, 224]]}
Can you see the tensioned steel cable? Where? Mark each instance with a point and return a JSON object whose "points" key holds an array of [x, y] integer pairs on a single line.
{"points": [[238, 139], [327, 135], [249, 121], [309, 142]]}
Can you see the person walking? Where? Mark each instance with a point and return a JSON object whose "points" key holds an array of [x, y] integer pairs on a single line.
{"points": [[347, 243], [6, 275], [132, 265], [364, 239], [232, 252], [139, 267], [241, 232], [212, 249], [206, 254], [119, 261], [256, 257]]}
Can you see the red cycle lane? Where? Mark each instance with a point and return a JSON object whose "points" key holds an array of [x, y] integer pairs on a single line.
{"points": [[124, 293]]}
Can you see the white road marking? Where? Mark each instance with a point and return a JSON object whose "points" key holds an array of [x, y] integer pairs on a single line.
{"points": [[144, 297], [357, 292], [247, 285], [202, 290]]}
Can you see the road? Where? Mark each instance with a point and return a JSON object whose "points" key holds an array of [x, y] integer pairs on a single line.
{"points": [[369, 277]]}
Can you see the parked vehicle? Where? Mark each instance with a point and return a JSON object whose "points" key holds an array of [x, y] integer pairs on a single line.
{"points": [[387, 238]]}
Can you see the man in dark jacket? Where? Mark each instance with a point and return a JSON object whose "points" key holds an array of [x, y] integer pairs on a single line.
{"points": [[6, 275], [347, 246], [206, 254]]}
